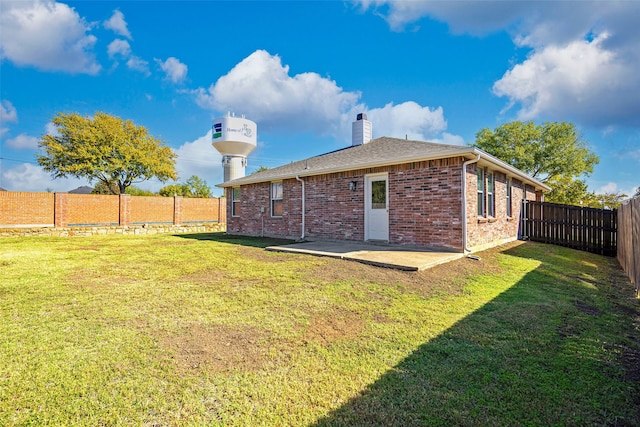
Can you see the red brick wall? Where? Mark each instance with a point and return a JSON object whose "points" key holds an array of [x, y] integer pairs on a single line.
{"points": [[333, 211], [149, 209], [92, 209], [488, 231], [22, 209], [253, 222], [427, 197], [194, 210], [222, 209], [424, 206], [17, 208]]}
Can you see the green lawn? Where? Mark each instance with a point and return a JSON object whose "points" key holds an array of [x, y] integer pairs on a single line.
{"points": [[210, 329]]}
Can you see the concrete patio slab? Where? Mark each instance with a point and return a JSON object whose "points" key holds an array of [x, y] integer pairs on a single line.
{"points": [[382, 255]]}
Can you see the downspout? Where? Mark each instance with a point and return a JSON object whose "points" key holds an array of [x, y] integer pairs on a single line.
{"points": [[302, 181], [465, 249]]}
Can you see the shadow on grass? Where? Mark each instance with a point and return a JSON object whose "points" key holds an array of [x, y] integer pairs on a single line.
{"points": [[222, 237], [548, 351]]}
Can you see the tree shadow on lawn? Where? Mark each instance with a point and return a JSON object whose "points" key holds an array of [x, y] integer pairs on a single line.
{"points": [[557, 348], [222, 237]]}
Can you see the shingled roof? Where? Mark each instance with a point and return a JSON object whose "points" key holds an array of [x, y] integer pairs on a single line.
{"points": [[382, 151]]}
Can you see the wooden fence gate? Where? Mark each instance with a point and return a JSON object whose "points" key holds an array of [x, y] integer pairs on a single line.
{"points": [[585, 229]]}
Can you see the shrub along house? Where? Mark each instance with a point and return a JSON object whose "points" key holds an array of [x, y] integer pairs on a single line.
{"points": [[386, 189]]}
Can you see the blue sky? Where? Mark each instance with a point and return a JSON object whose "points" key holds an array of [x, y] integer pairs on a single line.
{"points": [[302, 70]]}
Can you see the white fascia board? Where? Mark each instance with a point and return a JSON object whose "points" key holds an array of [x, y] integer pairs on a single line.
{"points": [[487, 159]]}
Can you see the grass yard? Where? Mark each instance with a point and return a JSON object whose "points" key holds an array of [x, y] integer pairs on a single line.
{"points": [[209, 329]]}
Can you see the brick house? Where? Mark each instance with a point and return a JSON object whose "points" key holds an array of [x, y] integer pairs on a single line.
{"points": [[386, 189]]}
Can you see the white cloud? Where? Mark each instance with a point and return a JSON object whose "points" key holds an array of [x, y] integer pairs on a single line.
{"points": [[408, 120], [175, 70], [261, 88], [530, 23], [122, 49], [610, 187], [585, 57], [51, 129], [614, 188], [28, 177], [476, 17], [138, 64], [119, 47], [8, 112], [581, 80], [117, 24], [450, 139], [201, 159], [23, 142], [47, 35]]}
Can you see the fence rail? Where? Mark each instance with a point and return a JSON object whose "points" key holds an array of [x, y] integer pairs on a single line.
{"points": [[629, 240], [585, 229]]}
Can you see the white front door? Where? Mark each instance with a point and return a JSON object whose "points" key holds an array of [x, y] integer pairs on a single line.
{"points": [[376, 217]]}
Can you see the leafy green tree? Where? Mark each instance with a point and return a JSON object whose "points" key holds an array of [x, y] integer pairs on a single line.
{"points": [[101, 188], [569, 191], [136, 191], [260, 169], [553, 153], [105, 148], [172, 190], [607, 200], [193, 187], [104, 188], [197, 187]]}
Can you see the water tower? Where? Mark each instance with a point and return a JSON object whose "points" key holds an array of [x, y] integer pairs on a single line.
{"points": [[234, 137]]}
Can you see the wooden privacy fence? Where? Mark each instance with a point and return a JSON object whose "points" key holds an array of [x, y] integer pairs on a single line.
{"points": [[629, 240], [585, 229]]}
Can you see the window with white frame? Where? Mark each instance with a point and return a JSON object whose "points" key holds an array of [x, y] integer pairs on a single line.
{"points": [[276, 198], [508, 197], [481, 200], [491, 201], [235, 201]]}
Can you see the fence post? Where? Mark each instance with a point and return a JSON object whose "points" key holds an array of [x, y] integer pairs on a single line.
{"points": [[125, 210], [177, 210], [523, 220], [60, 210]]}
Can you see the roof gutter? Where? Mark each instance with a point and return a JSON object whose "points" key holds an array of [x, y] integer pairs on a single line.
{"points": [[302, 181], [465, 249], [307, 171]]}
